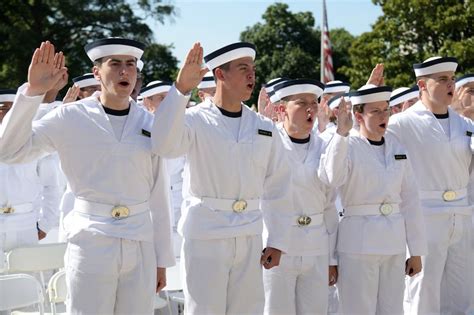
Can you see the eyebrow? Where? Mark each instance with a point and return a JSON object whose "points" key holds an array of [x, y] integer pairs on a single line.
{"points": [[118, 60]]}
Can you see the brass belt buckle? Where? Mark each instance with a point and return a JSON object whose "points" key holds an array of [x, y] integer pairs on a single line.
{"points": [[386, 209], [303, 220], [119, 212], [7, 210], [449, 195], [239, 206]]}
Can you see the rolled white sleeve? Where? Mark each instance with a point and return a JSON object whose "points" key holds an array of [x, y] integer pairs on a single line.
{"points": [[171, 134], [335, 163]]}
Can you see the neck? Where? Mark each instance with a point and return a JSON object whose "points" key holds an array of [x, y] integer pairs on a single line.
{"points": [[114, 102], [295, 132], [369, 135], [225, 100], [434, 107]]}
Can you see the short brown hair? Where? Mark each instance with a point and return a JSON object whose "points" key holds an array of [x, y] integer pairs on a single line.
{"points": [[359, 108], [225, 67]]}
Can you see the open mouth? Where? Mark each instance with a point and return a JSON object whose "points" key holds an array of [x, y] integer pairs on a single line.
{"points": [[383, 126], [124, 83], [309, 118], [450, 93], [250, 86]]}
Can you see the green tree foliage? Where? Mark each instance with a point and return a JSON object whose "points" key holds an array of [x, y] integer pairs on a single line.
{"points": [[288, 45], [409, 32], [70, 24]]}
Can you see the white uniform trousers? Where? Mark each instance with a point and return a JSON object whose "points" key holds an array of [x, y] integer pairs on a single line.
{"points": [[299, 285], [106, 275], [444, 284], [13, 239], [223, 276], [371, 284]]}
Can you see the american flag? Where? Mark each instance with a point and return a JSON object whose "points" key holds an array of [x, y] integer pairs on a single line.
{"points": [[327, 71]]}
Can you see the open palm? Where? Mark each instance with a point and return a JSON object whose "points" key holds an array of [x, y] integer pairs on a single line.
{"points": [[46, 69]]}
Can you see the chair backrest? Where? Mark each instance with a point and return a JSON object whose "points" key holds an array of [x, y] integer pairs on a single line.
{"points": [[36, 258], [20, 290], [57, 290]]}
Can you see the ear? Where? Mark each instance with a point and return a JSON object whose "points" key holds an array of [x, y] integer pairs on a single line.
{"points": [[95, 71], [421, 84], [201, 95], [358, 117], [219, 74]]}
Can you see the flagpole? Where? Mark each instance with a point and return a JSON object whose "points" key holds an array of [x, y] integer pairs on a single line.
{"points": [[322, 42]]}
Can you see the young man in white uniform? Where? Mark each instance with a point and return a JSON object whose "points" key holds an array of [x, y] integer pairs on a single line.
{"points": [[207, 87], [28, 192], [119, 231], [154, 93], [236, 167], [403, 98], [382, 213], [299, 285], [438, 143]]}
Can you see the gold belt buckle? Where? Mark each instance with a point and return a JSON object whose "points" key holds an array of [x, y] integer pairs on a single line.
{"points": [[449, 195], [120, 212], [303, 220], [386, 209], [239, 206], [7, 210]]}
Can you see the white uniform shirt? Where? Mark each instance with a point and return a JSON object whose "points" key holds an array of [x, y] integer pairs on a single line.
{"points": [[219, 166], [310, 197], [99, 168], [440, 162], [351, 164]]}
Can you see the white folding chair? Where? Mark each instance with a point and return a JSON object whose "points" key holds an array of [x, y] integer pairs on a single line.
{"points": [[57, 290], [36, 259], [20, 290]]}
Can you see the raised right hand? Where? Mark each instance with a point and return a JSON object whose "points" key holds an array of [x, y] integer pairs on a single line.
{"points": [[344, 119], [45, 71]]}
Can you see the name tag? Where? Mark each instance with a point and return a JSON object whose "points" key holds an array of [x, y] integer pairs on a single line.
{"points": [[264, 132], [146, 133], [400, 157], [469, 133]]}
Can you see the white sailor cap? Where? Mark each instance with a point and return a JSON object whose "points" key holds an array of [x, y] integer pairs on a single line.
{"points": [[270, 84], [465, 79], [114, 46], [86, 80], [336, 87], [336, 100], [155, 87], [7, 95], [370, 93], [207, 82], [228, 53], [403, 94], [273, 97], [140, 65], [435, 65], [298, 86]]}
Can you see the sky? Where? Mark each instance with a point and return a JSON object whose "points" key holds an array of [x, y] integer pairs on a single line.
{"points": [[216, 23]]}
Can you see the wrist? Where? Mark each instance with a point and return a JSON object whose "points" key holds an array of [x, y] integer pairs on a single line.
{"points": [[29, 91], [183, 90]]}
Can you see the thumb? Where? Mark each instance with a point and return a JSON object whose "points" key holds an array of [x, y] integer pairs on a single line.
{"points": [[58, 76], [203, 72]]}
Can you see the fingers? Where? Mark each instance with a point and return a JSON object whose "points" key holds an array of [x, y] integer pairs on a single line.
{"points": [[160, 285], [41, 52], [34, 58], [195, 54], [50, 57]]}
